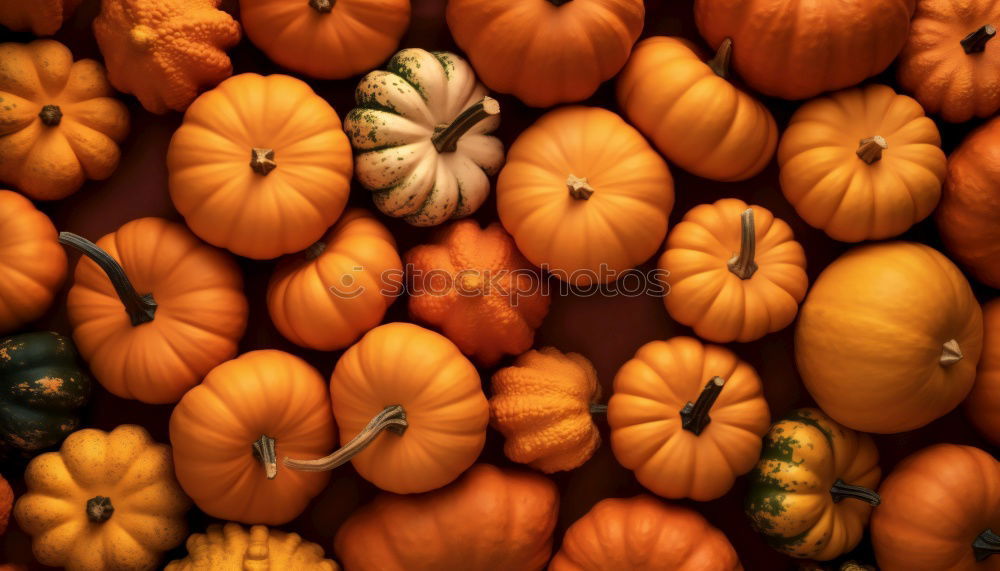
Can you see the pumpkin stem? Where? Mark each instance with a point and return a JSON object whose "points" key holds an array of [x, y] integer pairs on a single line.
{"points": [[694, 415], [598, 408], [559, 2], [986, 544], [140, 308], [976, 41], [446, 138], [322, 6], [870, 149], [392, 418], [99, 509], [951, 353], [50, 115], [720, 63], [262, 160], [263, 450], [314, 251], [578, 187], [841, 490], [743, 264]]}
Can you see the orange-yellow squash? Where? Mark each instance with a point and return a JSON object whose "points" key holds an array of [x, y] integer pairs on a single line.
{"points": [[41, 17], [6, 504], [231, 547], [983, 404]]}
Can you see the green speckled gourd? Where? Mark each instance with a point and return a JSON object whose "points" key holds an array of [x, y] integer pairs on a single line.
{"points": [[42, 388], [811, 492], [420, 138]]}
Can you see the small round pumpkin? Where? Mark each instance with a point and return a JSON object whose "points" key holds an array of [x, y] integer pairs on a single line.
{"points": [[862, 164], [683, 437], [644, 533], [106, 501], [153, 309], [340, 287], [475, 286], [543, 405], [228, 432], [546, 52], [233, 547], [692, 113], [983, 404], [584, 195], [811, 493], [42, 18], [889, 337], [410, 408], [6, 504], [940, 510], [735, 272], [260, 166], [61, 123]]}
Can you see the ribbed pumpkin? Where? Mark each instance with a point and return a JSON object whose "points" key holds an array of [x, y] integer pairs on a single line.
{"points": [[491, 519], [42, 18], [229, 432], [889, 337], [6, 504], [232, 547], [811, 493], [60, 123], [340, 287], [862, 164], [735, 272], [546, 51], [683, 437], [584, 195], [165, 51], [692, 113], [983, 404], [153, 309], [542, 404], [260, 166], [410, 408], [475, 286]]}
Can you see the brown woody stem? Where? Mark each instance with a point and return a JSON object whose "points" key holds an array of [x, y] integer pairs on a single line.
{"points": [[870, 149], [720, 63], [578, 187], [446, 139], [50, 115], [262, 160], [976, 41], [598, 408], [743, 264], [987, 543], [951, 353], [694, 415], [841, 491], [99, 509], [140, 308], [392, 418], [322, 6], [263, 450]]}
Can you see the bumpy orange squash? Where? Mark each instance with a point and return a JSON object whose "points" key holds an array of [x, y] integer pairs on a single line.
{"points": [[42, 17], [231, 547], [6, 504], [983, 404]]}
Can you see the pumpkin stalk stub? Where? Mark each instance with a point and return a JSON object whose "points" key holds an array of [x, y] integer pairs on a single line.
{"points": [[976, 41], [987, 543], [50, 115], [870, 149], [392, 418], [720, 63], [694, 415], [842, 490], [598, 408], [446, 138], [951, 353], [743, 264], [262, 160], [263, 450], [314, 251], [322, 6], [578, 187], [99, 509]]}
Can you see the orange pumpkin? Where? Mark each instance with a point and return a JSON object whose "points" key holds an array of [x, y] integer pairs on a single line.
{"points": [[983, 404], [644, 533], [260, 166], [327, 39], [735, 272], [796, 50], [227, 434], [889, 337], [584, 195], [153, 309], [165, 51], [42, 17], [32, 264], [329, 295], [475, 286], [418, 388], [6, 504], [546, 51], [684, 438], [491, 519], [692, 113]]}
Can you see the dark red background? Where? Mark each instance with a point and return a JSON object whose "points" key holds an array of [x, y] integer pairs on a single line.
{"points": [[607, 330]]}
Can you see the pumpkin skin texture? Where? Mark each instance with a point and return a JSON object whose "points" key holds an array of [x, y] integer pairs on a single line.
{"points": [[708, 290], [233, 547], [546, 52], [542, 404], [200, 316], [491, 519], [43, 18], [6, 504], [970, 206], [935, 504], [667, 89], [475, 286], [811, 493], [328, 296], [796, 50], [260, 166], [648, 434], [32, 263], [420, 134], [983, 404], [106, 501], [825, 171], [643, 533], [326, 39], [60, 124], [165, 51], [889, 337], [584, 195], [215, 429]]}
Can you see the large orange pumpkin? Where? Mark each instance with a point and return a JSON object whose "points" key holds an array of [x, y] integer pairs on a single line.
{"points": [[229, 432], [683, 437], [983, 404], [889, 337], [153, 309], [6, 504], [410, 407], [584, 195], [42, 17], [546, 51]]}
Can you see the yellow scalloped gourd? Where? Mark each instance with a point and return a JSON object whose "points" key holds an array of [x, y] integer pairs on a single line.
{"points": [[232, 547]]}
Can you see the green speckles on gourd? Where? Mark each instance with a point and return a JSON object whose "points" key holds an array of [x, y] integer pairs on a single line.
{"points": [[780, 448], [803, 416], [446, 61], [406, 66]]}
